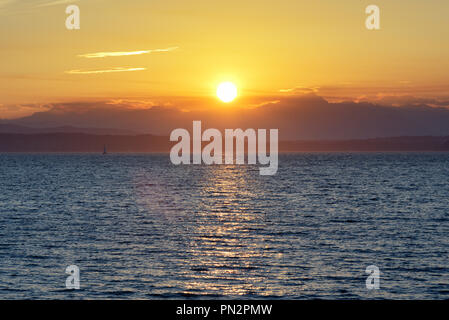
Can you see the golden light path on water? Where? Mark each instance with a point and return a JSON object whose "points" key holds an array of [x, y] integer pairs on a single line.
{"points": [[227, 245], [223, 250]]}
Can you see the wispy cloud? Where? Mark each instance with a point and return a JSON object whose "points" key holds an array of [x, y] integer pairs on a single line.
{"points": [[55, 3], [4, 4], [21, 6], [264, 103], [124, 53], [117, 69], [300, 89]]}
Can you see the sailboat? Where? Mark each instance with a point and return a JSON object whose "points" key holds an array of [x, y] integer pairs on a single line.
{"points": [[104, 150]]}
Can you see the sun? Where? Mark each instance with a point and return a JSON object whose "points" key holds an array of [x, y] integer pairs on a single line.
{"points": [[226, 92]]}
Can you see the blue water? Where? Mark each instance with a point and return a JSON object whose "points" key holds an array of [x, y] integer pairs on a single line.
{"points": [[140, 228]]}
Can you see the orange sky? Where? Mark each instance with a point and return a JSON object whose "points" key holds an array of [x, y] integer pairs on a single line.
{"points": [[164, 52]]}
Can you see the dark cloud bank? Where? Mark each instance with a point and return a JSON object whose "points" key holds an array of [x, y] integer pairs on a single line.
{"points": [[297, 118], [305, 123]]}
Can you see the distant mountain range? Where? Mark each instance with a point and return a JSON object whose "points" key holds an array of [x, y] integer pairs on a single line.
{"points": [[81, 142], [308, 117], [14, 128]]}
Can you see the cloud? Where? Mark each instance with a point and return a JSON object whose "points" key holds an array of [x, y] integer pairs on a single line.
{"points": [[8, 7], [55, 3], [404, 100], [300, 89], [132, 103], [18, 110], [404, 94], [124, 53], [117, 69], [5, 4], [299, 117], [264, 103], [309, 116]]}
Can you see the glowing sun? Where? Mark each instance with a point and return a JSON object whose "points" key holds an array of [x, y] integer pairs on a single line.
{"points": [[226, 92]]}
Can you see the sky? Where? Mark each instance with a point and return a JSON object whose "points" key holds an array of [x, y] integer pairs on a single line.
{"points": [[176, 52]]}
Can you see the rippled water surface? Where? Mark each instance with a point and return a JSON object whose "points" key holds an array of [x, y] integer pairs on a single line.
{"points": [[139, 227]]}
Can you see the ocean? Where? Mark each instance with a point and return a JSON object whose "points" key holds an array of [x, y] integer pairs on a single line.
{"points": [[138, 227]]}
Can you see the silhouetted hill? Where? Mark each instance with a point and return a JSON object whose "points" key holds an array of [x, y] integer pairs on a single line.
{"points": [[379, 144], [15, 128], [446, 144], [76, 142]]}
